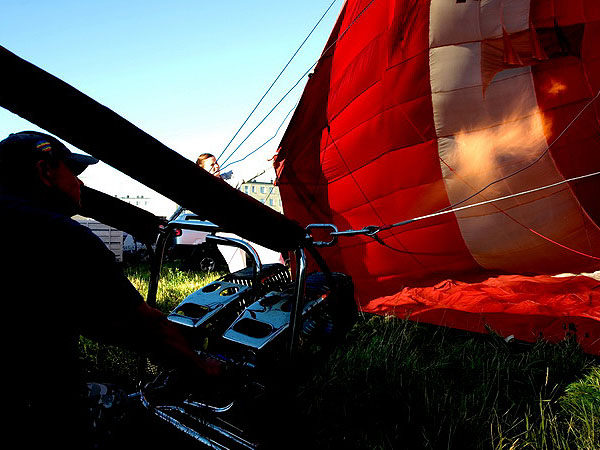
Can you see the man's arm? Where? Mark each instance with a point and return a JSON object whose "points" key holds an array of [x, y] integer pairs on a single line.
{"points": [[114, 312], [140, 328], [166, 343]]}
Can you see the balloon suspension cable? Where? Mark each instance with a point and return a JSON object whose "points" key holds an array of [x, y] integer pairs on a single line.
{"points": [[275, 81], [225, 166], [535, 161], [342, 34], [373, 230]]}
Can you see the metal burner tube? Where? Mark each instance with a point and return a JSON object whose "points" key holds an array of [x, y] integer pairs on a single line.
{"points": [[233, 242], [296, 310]]}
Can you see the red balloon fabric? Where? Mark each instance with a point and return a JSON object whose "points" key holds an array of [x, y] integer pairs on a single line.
{"points": [[528, 308], [417, 107]]}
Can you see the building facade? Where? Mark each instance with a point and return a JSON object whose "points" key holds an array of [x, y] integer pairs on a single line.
{"points": [[264, 192], [137, 200]]}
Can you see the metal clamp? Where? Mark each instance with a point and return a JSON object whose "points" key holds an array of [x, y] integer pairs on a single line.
{"points": [[370, 231]]}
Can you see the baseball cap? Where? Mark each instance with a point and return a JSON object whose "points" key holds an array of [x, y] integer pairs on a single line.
{"points": [[30, 146]]}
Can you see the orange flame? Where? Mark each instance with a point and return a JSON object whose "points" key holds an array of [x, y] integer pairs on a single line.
{"points": [[485, 155], [556, 87]]}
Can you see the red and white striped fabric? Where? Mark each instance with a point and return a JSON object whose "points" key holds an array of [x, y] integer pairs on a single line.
{"points": [[417, 106]]}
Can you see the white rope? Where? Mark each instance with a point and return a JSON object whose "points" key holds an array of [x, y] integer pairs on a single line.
{"points": [[475, 205]]}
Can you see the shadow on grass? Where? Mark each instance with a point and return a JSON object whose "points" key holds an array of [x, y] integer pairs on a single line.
{"points": [[396, 384]]}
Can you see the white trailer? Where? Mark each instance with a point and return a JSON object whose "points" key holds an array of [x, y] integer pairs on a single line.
{"points": [[111, 237]]}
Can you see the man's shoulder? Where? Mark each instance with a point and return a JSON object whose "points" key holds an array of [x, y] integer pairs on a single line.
{"points": [[27, 216]]}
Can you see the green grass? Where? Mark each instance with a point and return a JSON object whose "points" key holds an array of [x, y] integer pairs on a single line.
{"points": [[174, 285], [395, 384]]}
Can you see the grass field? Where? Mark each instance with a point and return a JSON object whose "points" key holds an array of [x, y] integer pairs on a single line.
{"points": [[395, 384]]}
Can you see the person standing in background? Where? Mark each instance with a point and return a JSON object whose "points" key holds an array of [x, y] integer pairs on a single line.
{"points": [[208, 162], [236, 258]]}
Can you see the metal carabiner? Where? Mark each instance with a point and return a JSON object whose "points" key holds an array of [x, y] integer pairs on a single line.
{"points": [[330, 226]]}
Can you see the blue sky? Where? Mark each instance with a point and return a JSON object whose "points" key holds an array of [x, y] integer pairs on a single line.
{"points": [[188, 72]]}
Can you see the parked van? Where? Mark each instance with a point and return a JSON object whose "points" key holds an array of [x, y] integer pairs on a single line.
{"points": [[191, 248]]}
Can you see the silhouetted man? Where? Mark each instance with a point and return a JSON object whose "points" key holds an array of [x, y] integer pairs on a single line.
{"points": [[64, 283]]}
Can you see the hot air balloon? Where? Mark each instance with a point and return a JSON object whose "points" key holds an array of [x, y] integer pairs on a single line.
{"points": [[463, 136]]}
